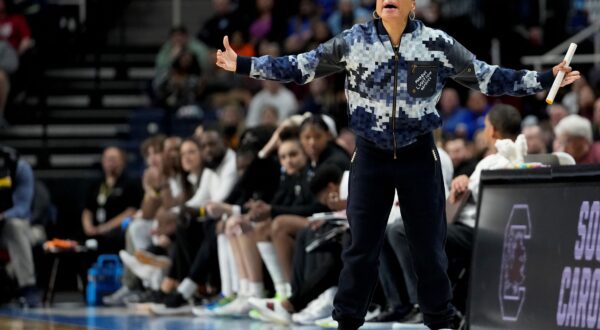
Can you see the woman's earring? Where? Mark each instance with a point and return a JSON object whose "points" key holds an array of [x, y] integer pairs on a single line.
{"points": [[412, 15], [375, 16]]}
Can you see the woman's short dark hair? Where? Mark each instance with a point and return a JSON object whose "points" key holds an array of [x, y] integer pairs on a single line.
{"points": [[314, 120], [289, 134], [506, 120], [325, 175]]}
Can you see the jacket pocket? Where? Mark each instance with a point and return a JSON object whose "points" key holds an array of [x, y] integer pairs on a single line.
{"points": [[422, 78]]}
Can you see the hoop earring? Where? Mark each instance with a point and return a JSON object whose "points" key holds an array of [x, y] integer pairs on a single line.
{"points": [[375, 16], [412, 15]]}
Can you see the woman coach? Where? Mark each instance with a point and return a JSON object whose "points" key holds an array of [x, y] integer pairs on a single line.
{"points": [[395, 71]]}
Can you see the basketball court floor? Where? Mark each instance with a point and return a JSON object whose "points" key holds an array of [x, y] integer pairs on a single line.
{"points": [[76, 317]]}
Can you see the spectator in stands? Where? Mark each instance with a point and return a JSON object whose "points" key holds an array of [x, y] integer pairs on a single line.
{"points": [[319, 34], [183, 85], [572, 98], [535, 140], [241, 45], [273, 94], [261, 26], [300, 26], [223, 22], [456, 118], [596, 120], [269, 116], [574, 136], [585, 101], [231, 122], [15, 40], [461, 159], [14, 28], [179, 41], [346, 16], [110, 202], [556, 112], [320, 98], [16, 197], [478, 105], [138, 231]]}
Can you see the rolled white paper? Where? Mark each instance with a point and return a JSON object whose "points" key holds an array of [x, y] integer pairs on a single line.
{"points": [[561, 75]]}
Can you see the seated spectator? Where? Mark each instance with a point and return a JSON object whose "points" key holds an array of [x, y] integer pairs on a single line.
{"points": [[269, 116], [457, 119], [138, 235], [223, 22], [183, 85], [261, 26], [300, 26], [231, 122], [15, 40], [16, 197], [574, 136], [273, 94], [110, 202], [478, 106], [459, 154], [346, 16], [178, 42], [240, 45], [556, 112], [535, 140], [596, 120]]}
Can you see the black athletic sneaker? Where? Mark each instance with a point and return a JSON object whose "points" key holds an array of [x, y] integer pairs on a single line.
{"points": [[391, 315]]}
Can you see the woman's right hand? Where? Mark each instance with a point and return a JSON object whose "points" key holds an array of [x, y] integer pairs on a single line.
{"points": [[228, 59]]}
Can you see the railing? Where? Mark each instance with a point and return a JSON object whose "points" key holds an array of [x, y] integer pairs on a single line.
{"points": [[556, 54]]}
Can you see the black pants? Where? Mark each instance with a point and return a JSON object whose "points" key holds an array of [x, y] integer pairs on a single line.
{"points": [[195, 253], [316, 271], [416, 175], [459, 248]]}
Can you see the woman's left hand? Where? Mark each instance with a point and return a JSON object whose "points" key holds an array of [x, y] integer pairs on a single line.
{"points": [[570, 75]]}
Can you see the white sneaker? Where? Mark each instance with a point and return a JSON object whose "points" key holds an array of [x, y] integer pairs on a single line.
{"points": [[272, 310], [327, 322], [162, 310], [145, 272], [117, 298], [318, 309], [239, 307]]}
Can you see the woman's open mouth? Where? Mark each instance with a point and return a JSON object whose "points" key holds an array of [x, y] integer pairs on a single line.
{"points": [[390, 7]]}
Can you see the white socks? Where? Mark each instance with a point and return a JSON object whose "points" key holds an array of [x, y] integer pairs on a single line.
{"points": [[267, 252], [187, 288], [251, 289], [222, 250], [256, 289]]}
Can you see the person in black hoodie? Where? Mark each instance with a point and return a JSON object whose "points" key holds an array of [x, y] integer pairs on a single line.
{"points": [[254, 224], [318, 143]]}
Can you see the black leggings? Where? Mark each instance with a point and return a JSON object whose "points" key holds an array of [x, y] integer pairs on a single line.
{"points": [[195, 253]]}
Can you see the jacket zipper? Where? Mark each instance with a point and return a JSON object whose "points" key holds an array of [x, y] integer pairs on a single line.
{"points": [[395, 95]]}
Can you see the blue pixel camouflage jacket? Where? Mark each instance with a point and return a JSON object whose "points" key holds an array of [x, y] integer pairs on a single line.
{"points": [[392, 92]]}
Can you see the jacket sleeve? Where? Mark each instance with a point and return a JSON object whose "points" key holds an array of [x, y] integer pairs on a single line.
{"points": [[328, 58], [491, 79]]}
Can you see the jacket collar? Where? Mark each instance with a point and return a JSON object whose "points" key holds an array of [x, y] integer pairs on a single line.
{"points": [[411, 26]]}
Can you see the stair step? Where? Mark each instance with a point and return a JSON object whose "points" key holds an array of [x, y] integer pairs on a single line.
{"points": [[57, 130]]}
